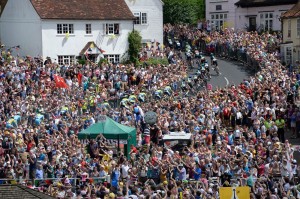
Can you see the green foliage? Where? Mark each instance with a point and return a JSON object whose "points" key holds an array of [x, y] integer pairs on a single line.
{"points": [[81, 61], [155, 62], [135, 45], [101, 61], [183, 11]]}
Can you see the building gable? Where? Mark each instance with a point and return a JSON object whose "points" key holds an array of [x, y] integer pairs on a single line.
{"points": [[82, 10], [2, 5]]}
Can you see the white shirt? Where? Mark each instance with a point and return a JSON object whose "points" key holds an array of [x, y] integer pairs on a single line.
{"points": [[125, 169]]}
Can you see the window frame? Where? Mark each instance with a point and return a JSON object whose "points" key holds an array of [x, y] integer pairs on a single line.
{"points": [[144, 21], [267, 20], [112, 58], [88, 29], [289, 29], [141, 18], [217, 20], [218, 7], [111, 28], [65, 60], [64, 28], [137, 20]]}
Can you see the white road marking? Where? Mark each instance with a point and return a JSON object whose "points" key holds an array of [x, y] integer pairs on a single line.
{"points": [[227, 82]]}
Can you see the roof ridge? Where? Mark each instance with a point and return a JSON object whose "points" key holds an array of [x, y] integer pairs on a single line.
{"points": [[75, 10]]}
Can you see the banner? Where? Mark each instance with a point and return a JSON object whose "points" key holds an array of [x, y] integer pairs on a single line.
{"points": [[234, 192], [60, 82]]}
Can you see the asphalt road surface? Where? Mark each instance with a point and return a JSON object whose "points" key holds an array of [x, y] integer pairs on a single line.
{"points": [[232, 72]]}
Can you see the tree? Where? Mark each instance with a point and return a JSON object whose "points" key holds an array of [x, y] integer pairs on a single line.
{"points": [[183, 11], [135, 45]]}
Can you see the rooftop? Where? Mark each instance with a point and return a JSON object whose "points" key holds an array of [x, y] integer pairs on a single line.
{"points": [[83, 10], [262, 3], [293, 12]]}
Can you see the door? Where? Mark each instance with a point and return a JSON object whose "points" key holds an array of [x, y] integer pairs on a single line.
{"points": [[93, 57], [252, 23]]}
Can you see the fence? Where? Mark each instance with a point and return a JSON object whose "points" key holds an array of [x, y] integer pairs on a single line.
{"points": [[37, 182]]}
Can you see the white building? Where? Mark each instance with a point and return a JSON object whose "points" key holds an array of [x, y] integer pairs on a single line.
{"points": [[149, 19], [247, 14], [64, 31], [261, 15], [220, 13]]}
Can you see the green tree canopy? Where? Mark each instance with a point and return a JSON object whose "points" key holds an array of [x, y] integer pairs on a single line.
{"points": [[183, 11], [135, 45]]}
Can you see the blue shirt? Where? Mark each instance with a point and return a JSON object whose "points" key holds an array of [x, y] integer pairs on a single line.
{"points": [[198, 174], [39, 174], [182, 174]]}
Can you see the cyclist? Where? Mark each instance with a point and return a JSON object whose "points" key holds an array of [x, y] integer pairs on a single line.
{"points": [[158, 94], [124, 103], [142, 96], [168, 90], [132, 99]]}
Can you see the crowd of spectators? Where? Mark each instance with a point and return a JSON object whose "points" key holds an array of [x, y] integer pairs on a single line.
{"points": [[239, 132]]}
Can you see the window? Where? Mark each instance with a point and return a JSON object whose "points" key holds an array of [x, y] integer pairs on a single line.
{"points": [[289, 33], [288, 55], [144, 18], [141, 18], [65, 28], [218, 20], [112, 58], [137, 18], [298, 27], [88, 29], [66, 59], [266, 21], [218, 7], [112, 29]]}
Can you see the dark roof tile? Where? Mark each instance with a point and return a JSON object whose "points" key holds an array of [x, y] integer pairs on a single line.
{"points": [[293, 12], [83, 9], [2, 5], [261, 3]]}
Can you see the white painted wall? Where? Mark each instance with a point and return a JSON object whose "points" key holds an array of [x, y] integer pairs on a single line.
{"points": [[242, 20], [237, 16], [227, 7], [54, 44], [20, 25], [154, 8]]}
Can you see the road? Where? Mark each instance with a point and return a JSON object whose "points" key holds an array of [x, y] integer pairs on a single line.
{"points": [[232, 72]]}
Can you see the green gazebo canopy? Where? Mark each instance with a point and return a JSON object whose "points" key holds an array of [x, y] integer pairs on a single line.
{"points": [[110, 130]]}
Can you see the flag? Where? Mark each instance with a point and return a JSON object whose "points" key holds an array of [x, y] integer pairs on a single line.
{"points": [[102, 51], [79, 77], [92, 45], [60, 82], [67, 35]]}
